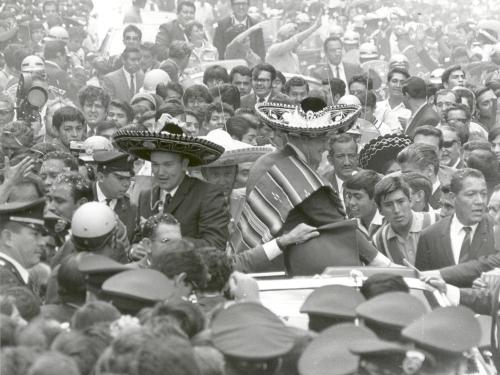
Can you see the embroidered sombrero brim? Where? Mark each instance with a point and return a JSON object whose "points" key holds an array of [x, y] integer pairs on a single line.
{"points": [[143, 143], [290, 119], [376, 153], [244, 155]]}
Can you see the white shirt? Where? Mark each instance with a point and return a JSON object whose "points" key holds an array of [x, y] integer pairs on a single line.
{"points": [[342, 75], [435, 185], [163, 196], [340, 187], [23, 272], [101, 197], [128, 78], [457, 234], [389, 116]]}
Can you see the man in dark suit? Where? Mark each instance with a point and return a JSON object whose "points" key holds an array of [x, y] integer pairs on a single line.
{"points": [[114, 171], [125, 82], [175, 29], [415, 98], [21, 242], [465, 236], [334, 66], [200, 207], [56, 65], [263, 76], [228, 28]]}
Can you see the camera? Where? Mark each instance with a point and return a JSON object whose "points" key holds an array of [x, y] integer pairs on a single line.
{"points": [[32, 94]]}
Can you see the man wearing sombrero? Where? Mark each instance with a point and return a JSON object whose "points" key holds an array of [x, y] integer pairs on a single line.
{"points": [[284, 188], [200, 207]]}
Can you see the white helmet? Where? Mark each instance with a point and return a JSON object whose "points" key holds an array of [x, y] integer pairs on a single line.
{"points": [[93, 220], [153, 78], [435, 77], [399, 61], [32, 63], [93, 144], [368, 51], [351, 37], [335, 30], [349, 100], [58, 33]]}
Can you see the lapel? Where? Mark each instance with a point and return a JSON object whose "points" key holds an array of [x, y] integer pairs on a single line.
{"points": [[122, 81], [180, 194], [480, 238], [435, 199], [444, 247]]}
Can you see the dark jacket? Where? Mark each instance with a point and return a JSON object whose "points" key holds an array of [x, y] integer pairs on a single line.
{"points": [[200, 208], [434, 251], [226, 32], [324, 72], [167, 33], [424, 116]]}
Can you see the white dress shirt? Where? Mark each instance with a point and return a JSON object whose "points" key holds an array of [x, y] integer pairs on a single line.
{"points": [[101, 198], [163, 196], [340, 187], [128, 78], [457, 234], [342, 75], [389, 116]]}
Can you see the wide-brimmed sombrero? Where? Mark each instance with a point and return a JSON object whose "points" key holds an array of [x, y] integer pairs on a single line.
{"points": [[293, 119], [142, 143], [235, 152], [376, 153]]}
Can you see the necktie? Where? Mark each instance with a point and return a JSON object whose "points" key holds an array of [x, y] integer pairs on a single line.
{"points": [[168, 199], [337, 71], [465, 249], [132, 85], [108, 201], [261, 100]]}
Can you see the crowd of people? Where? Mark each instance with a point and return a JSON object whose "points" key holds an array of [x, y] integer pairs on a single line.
{"points": [[139, 190]]}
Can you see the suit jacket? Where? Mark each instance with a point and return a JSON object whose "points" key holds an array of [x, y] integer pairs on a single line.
{"points": [[167, 33], [126, 211], [435, 198], [200, 208], [324, 72], [116, 83], [249, 100], [225, 33], [434, 250], [424, 116]]}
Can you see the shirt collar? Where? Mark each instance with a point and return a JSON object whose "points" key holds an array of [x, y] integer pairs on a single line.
{"points": [[164, 193], [236, 22], [101, 197], [23, 272], [435, 185], [417, 222], [456, 226]]}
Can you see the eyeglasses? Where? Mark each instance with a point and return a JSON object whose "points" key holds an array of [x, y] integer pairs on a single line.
{"points": [[448, 144]]}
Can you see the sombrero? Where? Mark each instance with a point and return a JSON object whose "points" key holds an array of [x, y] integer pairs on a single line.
{"points": [[143, 143], [376, 153], [292, 119], [235, 152]]}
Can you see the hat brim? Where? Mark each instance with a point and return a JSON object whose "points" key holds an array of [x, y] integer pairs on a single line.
{"points": [[376, 153], [331, 119], [235, 157], [143, 143]]}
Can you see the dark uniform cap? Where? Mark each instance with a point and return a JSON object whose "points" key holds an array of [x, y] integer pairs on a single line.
{"points": [[394, 309], [28, 213], [333, 301], [114, 161], [251, 331], [328, 354], [450, 330]]}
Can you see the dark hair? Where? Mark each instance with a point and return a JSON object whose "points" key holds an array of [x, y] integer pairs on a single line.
{"points": [[173, 109], [67, 113], [80, 186], [263, 67], [220, 267], [363, 79], [70, 280], [495, 132], [128, 50], [480, 91], [124, 106], [94, 312], [102, 126], [367, 99], [363, 180], [198, 114], [27, 303], [296, 81], [388, 185], [443, 92], [173, 263], [179, 50], [445, 77], [337, 86], [16, 360], [132, 28], [195, 91], [219, 108], [339, 138], [380, 283], [149, 228], [48, 361], [332, 39], [430, 131], [397, 70], [53, 48], [422, 155], [238, 126], [458, 178], [185, 3], [281, 77], [415, 87], [189, 316], [162, 89], [216, 72], [228, 93], [92, 93], [242, 70], [68, 159], [417, 182]]}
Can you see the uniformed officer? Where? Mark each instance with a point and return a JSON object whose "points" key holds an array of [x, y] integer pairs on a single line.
{"points": [[114, 175], [21, 241]]}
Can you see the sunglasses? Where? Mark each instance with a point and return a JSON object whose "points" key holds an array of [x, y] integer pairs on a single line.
{"points": [[448, 144]]}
